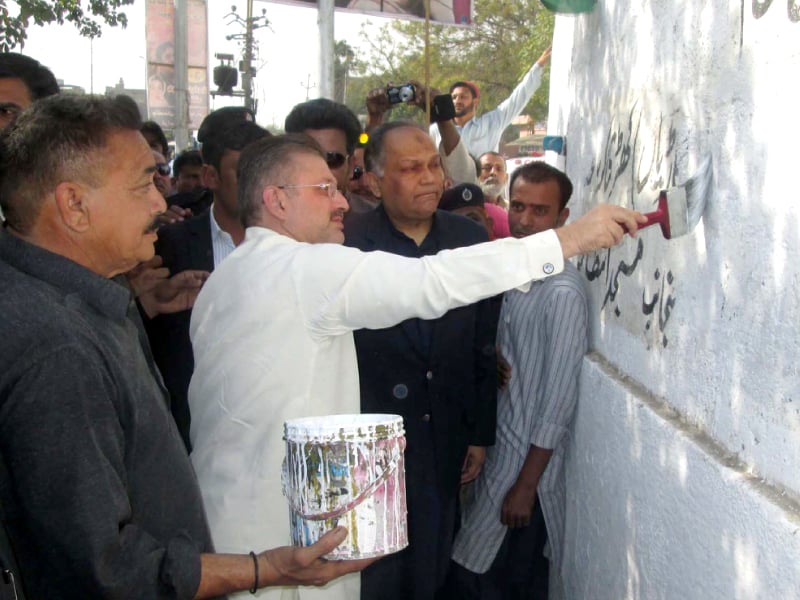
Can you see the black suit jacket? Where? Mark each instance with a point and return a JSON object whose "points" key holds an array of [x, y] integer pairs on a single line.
{"points": [[183, 245], [439, 374]]}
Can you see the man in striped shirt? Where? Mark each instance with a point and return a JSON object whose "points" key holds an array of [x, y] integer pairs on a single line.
{"points": [[519, 496]]}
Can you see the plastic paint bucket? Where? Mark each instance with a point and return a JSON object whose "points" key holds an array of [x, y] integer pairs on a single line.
{"points": [[347, 470]]}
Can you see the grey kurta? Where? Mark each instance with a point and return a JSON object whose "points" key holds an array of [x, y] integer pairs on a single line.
{"points": [[542, 334]]}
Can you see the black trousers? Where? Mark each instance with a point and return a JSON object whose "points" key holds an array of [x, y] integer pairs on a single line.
{"points": [[419, 571], [520, 570]]}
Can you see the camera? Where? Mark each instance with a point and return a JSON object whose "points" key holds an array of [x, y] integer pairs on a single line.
{"points": [[400, 93]]}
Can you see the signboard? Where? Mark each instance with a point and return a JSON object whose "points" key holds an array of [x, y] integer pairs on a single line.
{"points": [[161, 81], [445, 12]]}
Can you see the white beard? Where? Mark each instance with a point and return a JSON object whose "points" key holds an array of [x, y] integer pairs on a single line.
{"points": [[492, 190]]}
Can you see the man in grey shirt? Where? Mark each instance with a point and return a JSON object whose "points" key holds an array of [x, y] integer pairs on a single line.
{"points": [[97, 493], [519, 496]]}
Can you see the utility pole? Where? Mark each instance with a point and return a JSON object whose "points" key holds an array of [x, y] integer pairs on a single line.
{"points": [[181, 77], [247, 64], [326, 47], [246, 68], [307, 85]]}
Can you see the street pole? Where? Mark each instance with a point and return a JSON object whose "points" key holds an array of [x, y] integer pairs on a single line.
{"points": [[247, 71], [326, 47], [181, 77]]}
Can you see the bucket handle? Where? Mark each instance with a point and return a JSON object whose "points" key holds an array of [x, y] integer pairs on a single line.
{"points": [[358, 499]]}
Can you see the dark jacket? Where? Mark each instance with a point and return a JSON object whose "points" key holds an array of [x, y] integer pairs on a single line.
{"points": [[183, 245], [441, 371]]}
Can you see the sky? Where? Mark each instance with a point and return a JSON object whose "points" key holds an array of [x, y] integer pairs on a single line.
{"points": [[288, 52]]}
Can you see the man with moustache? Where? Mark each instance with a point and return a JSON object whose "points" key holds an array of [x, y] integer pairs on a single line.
{"points": [[482, 134], [272, 327], [519, 497], [97, 493]]}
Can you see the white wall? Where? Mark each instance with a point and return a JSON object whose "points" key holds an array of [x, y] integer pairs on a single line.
{"points": [[707, 323]]}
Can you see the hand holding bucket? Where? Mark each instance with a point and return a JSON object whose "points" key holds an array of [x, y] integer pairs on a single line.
{"points": [[348, 470]]}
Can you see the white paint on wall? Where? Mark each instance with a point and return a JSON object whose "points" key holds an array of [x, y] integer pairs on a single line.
{"points": [[663, 510], [644, 91]]}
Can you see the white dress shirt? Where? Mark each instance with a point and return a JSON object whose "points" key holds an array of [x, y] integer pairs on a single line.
{"points": [[271, 331], [221, 241]]}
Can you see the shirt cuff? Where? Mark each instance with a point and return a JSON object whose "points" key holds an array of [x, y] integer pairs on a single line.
{"points": [[180, 569], [545, 256], [547, 435]]}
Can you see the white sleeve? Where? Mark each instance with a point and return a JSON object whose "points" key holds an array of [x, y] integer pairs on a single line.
{"points": [[459, 164], [515, 103], [342, 289]]}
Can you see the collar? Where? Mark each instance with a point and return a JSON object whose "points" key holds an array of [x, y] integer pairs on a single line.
{"points": [[387, 222], [216, 230], [108, 296]]}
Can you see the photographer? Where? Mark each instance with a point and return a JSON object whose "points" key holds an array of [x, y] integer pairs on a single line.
{"points": [[457, 162]]}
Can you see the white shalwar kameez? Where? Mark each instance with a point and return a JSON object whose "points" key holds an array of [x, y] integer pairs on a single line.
{"points": [[271, 331]]}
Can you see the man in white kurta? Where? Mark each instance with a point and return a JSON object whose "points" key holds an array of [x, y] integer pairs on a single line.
{"points": [[272, 327]]}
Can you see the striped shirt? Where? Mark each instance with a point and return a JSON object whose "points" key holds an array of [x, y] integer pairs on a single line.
{"points": [[543, 335], [221, 241]]}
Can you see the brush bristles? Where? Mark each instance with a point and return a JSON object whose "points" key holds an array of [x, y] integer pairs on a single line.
{"points": [[698, 189]]}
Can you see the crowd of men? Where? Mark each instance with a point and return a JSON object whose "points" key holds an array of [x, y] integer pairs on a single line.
{"points": [[160, 326]]}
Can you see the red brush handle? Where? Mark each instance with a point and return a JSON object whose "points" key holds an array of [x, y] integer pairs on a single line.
{"points": [[660, 216]]}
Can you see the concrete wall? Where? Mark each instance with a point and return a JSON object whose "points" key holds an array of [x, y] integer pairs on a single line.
{"points": [[687, 445]]}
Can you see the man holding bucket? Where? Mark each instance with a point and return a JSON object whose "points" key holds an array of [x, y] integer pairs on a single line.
{"points": [[272, 328], [97, 493]]}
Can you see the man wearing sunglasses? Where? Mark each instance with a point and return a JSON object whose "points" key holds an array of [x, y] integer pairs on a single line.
{"points": [[336, 129], [161, 176], [200, 243]]}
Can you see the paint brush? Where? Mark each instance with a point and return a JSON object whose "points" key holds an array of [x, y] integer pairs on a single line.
{"points": [[680, 208]]}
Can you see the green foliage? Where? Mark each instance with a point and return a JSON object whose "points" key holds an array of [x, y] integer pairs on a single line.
{"points": [[344, 61], [506, 40], [87, 16]]}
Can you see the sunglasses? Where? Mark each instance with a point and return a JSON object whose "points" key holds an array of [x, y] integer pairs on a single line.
{"points": [[335, 159], [163, 169]]}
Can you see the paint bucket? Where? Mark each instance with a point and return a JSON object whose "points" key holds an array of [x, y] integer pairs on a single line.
{"points": [[347, 470]]}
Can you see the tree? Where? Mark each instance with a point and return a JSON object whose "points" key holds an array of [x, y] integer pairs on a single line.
{"points": [[506, 39], [344, 61], [87, 16]]}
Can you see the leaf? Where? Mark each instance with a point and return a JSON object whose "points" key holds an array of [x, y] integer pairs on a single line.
{"points": [[87, 16]]}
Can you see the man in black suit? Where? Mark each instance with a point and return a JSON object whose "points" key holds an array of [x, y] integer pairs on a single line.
{"points": [[438, 374], [200, 243]]}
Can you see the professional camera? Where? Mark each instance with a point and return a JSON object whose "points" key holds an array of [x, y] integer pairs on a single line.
{"points": [[401, 93]]}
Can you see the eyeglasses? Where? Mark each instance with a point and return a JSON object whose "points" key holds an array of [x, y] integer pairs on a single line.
{"points": [[163, 169], [335, 159], [357, 173], [329, 188]]}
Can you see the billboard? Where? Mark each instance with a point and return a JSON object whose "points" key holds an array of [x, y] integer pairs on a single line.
{"points": [[445, 12], [161, 80]]}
